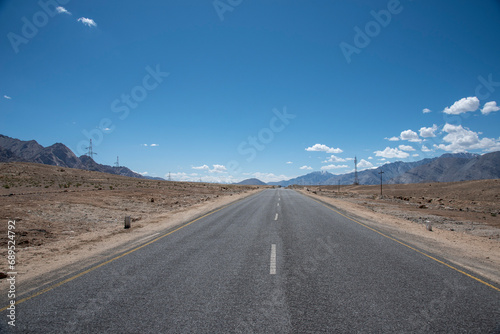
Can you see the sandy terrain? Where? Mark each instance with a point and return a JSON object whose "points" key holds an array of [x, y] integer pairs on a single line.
{"points": [[67, 219], [464, 216]]}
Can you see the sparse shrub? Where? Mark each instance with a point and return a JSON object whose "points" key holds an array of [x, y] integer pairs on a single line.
{"points": [[493, 214], [6, 186]]}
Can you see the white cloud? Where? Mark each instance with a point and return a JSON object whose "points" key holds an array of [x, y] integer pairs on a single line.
{"points": [[426, 110], [289, 162], [392, 138], [154, 145], [370, 158], [462, 139], [218, 169], [323, 148], [269, 177], [181, 176], [306, 167], [87, 22], [7, 97], [204, 167], [489, 107], [62, 10], [144, 145], [416, 155], [329, 167], [390, 153], [333, 158], [425, 149], [406, 148], [194, 177], [462, 106], [218, 178], [363, 164], [215, 169], [428, 132], [410, 135]]}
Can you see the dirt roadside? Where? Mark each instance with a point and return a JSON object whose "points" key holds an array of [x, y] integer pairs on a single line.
{"points": [[478, 253]]}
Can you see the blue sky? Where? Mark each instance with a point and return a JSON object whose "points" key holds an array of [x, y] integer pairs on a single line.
{"points": [[231, 89]]}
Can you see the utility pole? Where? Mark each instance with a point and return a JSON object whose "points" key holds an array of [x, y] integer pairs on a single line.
{"points": [[169, 177], [90, 153], [381, 172], [117, 163], [339, 186], [356, 180]]}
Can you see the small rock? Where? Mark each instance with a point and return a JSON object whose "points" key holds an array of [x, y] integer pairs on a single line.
{"points": [[428, 226]]}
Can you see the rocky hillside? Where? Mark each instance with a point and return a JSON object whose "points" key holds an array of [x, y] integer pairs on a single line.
{"points": [[12, 150], [453, 168]]}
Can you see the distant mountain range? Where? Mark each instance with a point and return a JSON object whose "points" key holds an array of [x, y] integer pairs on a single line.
{"points": [[446, 168], [12, 150], [454, 167]]}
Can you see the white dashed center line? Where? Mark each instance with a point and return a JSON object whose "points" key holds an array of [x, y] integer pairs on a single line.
{"points": [[272, 266]]}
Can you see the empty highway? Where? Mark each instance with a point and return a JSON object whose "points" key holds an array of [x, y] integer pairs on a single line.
{"points": [[275, 262]]}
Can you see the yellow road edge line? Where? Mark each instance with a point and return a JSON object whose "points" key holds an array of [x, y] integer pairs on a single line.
{"points": [[410, 247], [113, 259]]}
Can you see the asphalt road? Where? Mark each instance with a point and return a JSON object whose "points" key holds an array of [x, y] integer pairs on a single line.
{"points": [[276, 262]]}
